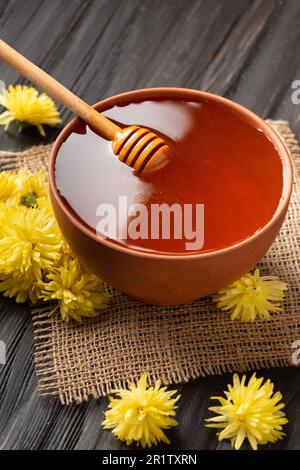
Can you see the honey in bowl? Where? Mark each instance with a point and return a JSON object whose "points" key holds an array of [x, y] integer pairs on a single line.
{"points": [[220, 161]]}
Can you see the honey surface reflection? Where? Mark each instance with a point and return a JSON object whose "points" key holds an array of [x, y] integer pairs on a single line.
{"points": [[220, 161]]}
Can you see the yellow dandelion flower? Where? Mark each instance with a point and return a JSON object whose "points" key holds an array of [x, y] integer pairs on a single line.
{"points": [[32, 187], [45, 204], [25, 105], [8, 185], [250, 412], [252, 296], [79, 294], [30, 242], [67, 252], [20, 286], [141, 413]]}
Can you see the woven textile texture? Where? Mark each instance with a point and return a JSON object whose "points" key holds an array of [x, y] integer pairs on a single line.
{"points": [[175, 344]]}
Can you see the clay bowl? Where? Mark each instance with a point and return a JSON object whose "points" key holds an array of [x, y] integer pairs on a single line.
{"points": [[159, 278]]}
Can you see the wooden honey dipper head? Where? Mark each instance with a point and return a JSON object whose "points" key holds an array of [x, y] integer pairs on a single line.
{"points": [[141, 149], [135, 146]]}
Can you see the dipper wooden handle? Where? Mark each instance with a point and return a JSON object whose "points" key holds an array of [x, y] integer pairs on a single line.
{"points": [[135, 146], [58, 91]]}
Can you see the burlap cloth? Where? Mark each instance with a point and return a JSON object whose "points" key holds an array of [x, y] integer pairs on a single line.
{"points": [[175, 344]]}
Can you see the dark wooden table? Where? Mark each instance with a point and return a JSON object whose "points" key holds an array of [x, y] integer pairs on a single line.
{"points": [[245, 50]]}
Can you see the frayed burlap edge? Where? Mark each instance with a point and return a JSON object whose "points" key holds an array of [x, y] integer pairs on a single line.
{"points": [[35, 158], [175, 344]]}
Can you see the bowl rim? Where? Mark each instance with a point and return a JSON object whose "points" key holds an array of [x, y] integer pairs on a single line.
{"points": [[171, 92]]}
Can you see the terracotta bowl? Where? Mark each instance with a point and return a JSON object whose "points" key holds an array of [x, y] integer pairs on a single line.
{"points": [[168, 279]]}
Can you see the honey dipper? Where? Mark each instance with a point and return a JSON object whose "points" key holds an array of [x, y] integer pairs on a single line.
{"points": [[135, 146]]}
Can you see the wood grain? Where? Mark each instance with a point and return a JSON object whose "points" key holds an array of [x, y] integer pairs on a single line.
{"points": [[246, 50]]}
